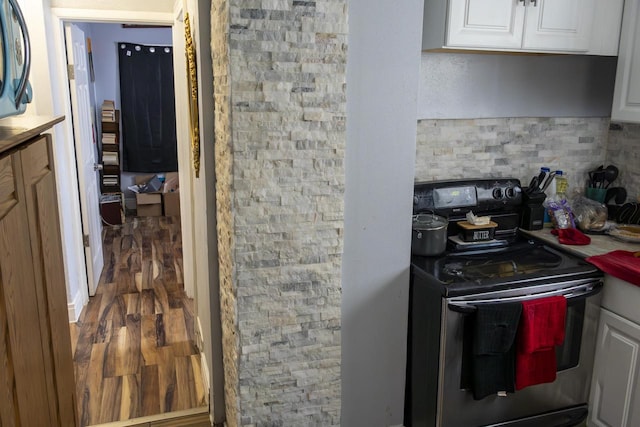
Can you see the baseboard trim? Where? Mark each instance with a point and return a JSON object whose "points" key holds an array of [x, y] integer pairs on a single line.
{"points": [[75, 306], [197, 417]]}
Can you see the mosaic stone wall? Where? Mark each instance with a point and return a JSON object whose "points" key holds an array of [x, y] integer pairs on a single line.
{"points": [[517, 147], [280, 141]]}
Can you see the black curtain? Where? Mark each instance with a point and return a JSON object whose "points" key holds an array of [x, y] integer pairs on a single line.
{"points": [[148, 109]]}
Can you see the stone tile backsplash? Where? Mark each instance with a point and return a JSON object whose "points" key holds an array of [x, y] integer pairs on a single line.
{"points": [[623, 150], [511, 147]]}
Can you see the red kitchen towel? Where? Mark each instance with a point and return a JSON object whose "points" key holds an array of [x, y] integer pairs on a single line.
{"points": [[621, 264], [542, 327], [571, 236], [535, 368]]}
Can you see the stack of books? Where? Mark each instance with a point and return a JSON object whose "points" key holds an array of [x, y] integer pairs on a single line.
{"points": [[110, 180], [109, 138], [108, 111], [110, 158]]}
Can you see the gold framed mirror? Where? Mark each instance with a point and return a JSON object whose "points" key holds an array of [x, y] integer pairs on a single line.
{"points": [[192, 74]]}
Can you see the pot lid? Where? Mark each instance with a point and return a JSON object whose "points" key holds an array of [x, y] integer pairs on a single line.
{"points": [[429, 222]]}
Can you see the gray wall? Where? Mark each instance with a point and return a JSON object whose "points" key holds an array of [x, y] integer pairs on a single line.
{"points": [[382, 77], [470, 85]]}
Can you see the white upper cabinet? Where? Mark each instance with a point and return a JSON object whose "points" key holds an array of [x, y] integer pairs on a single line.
{"points": [[626, 95], [486, 23], [561, 26]]}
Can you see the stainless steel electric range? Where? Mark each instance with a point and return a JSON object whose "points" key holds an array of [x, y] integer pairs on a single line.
{"points": [[446, 289]]}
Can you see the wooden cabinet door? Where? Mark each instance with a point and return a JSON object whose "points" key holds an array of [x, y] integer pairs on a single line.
{"points": [[486, 24], [23, 379], [51, 294], [563, 25], [615, 392], [626, 95]]}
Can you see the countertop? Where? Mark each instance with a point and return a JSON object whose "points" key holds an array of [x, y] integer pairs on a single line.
{"points": [[600, 243], [17, 129]]}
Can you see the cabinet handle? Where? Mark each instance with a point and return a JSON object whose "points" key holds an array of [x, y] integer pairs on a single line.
{"points": [[97, 167], [535, 2]]}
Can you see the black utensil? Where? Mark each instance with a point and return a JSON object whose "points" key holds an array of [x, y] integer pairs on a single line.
{"points": [[612, 193], [598, 179], [610, 175]]}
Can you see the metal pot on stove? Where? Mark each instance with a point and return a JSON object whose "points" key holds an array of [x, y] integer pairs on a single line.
{"points": [[429, 234]]}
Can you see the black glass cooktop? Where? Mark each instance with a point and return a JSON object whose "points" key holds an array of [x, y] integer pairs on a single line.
{"points": [[525, 259], [520, 262]]}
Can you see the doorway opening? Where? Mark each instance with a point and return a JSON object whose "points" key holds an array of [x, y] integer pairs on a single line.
{"points": [[135, 350]]}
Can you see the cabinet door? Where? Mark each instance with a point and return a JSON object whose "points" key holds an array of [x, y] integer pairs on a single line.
{"points": [[563, 25], [46, 250], [626, 95], [24, 387], [615, 392], [486, 24]]}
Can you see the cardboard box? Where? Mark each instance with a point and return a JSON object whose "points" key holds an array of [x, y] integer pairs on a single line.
{"points": [[170, 182], [149, 204], [171, 202], [171, 194]]}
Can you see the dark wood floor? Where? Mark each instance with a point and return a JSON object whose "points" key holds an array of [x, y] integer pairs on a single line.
{"points": [[134, 346]]}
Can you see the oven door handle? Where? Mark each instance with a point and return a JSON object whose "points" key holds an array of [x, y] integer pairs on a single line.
{"points": [[575, 292]]}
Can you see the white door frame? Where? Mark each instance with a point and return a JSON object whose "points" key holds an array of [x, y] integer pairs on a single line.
{"points": [[62, 15], [206, 269]]}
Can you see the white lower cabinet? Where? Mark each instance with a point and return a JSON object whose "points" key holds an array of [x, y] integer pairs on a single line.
{"points": [[615, 391]]}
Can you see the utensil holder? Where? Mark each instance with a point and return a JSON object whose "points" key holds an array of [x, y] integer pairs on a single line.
{"points": [[597, 194], [532, 210]]}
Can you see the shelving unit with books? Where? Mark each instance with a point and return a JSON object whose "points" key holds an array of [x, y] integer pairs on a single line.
{"points": [[110, 152], [110, 176]]}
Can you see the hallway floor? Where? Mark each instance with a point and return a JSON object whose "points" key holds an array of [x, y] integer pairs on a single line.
{"points": [[134, 347]]}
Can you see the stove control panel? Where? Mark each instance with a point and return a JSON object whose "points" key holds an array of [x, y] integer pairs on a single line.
{"points": [[458, 197]]}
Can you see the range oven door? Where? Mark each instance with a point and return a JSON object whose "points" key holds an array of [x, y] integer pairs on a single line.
{"points": [[560, 403]]}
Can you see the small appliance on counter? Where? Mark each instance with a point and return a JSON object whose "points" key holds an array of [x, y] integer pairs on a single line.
{"points": [[15, 90]]}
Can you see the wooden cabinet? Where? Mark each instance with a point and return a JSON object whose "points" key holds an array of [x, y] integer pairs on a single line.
{"points": [[36, 372], [570, 26], [626, 95], [110, 154], [615, 386]]}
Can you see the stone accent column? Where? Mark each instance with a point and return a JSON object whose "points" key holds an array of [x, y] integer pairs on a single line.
{"points": [[280, 96], [224, 212]]}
